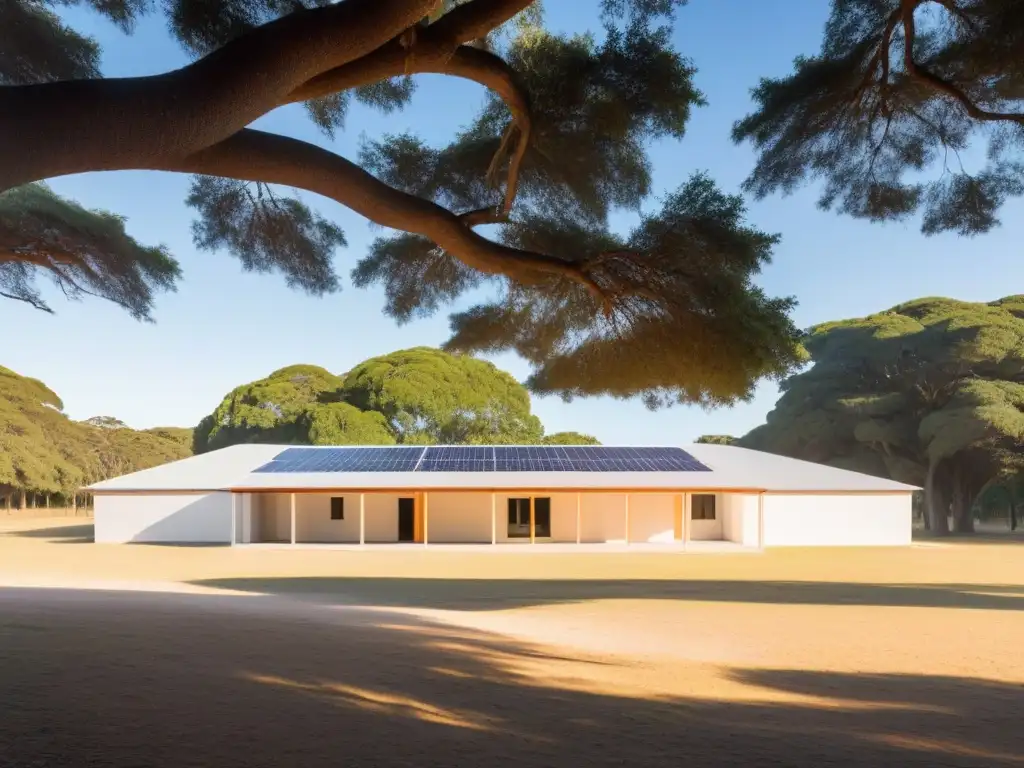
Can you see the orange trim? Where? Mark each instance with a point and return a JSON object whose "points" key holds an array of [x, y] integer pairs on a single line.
{"points": [[417, 517]]}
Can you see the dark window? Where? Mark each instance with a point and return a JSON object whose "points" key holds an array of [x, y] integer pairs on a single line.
{"points": [[542, 517], [519, 518], [702, 506], [337, 508]]}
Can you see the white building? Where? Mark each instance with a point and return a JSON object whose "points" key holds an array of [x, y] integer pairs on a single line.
{"points": [[267, 494]]}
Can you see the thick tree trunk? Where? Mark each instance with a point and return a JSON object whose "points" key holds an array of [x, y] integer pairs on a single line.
{"points": [[936, 508], [963, 517]]}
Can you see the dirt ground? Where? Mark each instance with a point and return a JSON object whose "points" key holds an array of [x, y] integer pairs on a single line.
{"points": [[210, 656]]}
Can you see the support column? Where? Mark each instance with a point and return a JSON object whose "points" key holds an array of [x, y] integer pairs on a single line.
{"points": [[234, 519], [426, 518], [677, 517], [494, 518], [293, 516], [362, 518], [686, 519], [533, 524], [626, 510], [760, 521], [246, 503], [579, 515]]}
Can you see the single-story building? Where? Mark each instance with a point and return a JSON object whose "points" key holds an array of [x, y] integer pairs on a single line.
{"points": [[273, 494]]}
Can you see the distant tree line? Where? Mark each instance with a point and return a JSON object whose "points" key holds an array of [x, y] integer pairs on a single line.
{"points": [[416, 396], [46, 457], [930, 392]]}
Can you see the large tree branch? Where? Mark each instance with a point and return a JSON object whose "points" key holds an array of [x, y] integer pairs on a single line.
{"points": [[905, 14], [464, 61], [431, 50], [52, 129], [252, 155], [940, 84]]}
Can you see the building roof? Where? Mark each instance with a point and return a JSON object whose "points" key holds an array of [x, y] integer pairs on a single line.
{"points": [[731, 468]]}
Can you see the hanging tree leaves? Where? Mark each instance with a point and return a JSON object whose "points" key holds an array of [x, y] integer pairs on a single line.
{"points": [[516, 204], [882, 115]]}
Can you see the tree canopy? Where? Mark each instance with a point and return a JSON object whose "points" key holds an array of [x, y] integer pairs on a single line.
{"points": [[44, 452], [517, 203], [898, 87], [716, 440], [413, 396], [930, 392]]}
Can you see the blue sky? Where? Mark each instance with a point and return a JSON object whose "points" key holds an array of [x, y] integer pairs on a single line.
{"points": [[225, 327]]}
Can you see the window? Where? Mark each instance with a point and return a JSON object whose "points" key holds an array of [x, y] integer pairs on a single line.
{"points": [[702, 506], [337, 508], [519, 518]]}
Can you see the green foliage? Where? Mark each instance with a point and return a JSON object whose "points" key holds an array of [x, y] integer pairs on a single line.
{"points": [[428, 396], [42, 451], [930, 392], [716, 440], [667, 348], [83, 252], [271, 410], [266, 232], [344, 424], [857, 118], [418, 396], [569, 438], [669, 313]]}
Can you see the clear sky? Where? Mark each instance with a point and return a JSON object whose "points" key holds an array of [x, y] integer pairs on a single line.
{"points": [[225, 327]]}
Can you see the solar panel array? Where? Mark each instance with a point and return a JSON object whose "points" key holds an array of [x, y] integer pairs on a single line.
{"points": [[383, 459], [477, 458]]}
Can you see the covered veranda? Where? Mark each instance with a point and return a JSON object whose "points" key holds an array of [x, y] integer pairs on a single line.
{"points": [[558, 519]]}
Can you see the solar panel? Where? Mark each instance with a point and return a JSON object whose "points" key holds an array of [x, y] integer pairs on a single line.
{"points": [[478, 458], [594, 459], [382, 459], [458, 458]]}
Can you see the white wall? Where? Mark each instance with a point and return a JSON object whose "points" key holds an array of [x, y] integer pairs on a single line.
{"points": [[170, 518], [381, 517], [652, 517], [707, 530], [313, 518], [837, 520], [271, 517], [461, 518], [739, 518]]}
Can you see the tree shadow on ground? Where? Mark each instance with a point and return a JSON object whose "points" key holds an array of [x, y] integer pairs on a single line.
{"points": [[60, 534], [120, 679], [497, 594]]}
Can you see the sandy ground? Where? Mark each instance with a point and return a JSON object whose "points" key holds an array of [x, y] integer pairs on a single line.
{"points": [[208, 656]]}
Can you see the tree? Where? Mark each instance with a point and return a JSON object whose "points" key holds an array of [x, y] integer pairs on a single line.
{"points": [[569, 438], [270, 410], [668, 313], [930, 392], [105, 422], [44, 453], [428, 396], [716, 440], [898, 87], [414, 396], [84, 253]]}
